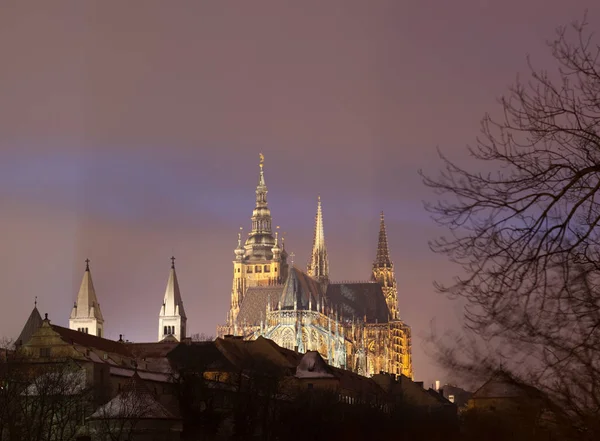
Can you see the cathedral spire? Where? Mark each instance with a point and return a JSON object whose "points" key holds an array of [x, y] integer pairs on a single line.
{"points": [[261, 188], [318, 266], [86, 315], [172, 318], [260, 240], [383, 271], [382, 260]]}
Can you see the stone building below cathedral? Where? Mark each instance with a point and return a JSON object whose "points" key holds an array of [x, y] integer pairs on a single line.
{"points": [[355, 326]]}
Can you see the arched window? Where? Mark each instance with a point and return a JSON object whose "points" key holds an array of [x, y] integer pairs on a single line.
{"points": [[165, 331]]}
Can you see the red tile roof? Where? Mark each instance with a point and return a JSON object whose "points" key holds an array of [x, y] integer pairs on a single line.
{"points": [[91, 341]]}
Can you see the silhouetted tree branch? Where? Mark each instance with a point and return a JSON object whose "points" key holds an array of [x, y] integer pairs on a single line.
{"points": [[524, 227]]}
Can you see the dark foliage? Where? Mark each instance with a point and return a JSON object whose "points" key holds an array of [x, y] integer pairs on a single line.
{"points": [[523, 227]]}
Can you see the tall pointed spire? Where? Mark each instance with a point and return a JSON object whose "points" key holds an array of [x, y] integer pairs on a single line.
{"points": [[383, 271], [86, 315], [382, 260], [318, 266], [261, 188], [260, 240], [172, 319]]}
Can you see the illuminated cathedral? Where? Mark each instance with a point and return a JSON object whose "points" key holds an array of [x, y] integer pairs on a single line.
{"points": [[355, 325]]}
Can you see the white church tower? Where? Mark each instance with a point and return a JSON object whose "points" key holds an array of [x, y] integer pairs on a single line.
{"points": [[86, 315], [172, 319]]}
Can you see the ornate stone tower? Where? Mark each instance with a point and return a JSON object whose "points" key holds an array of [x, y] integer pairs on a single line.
{"points": [[260, 261], [383, 271], [172, 319], [86, 315], [318, 266]]}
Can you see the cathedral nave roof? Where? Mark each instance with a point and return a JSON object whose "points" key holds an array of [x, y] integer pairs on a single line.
{"points": [[254, 304], [359, 299]]}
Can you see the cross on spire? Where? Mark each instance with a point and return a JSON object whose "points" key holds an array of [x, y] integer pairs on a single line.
{"points": [[173, 262], [87, 264], [35, 302]]}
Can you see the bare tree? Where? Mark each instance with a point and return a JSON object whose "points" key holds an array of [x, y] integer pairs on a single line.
{"points": [[119, 419], [49, 400], [11, 380], [524, 228]]}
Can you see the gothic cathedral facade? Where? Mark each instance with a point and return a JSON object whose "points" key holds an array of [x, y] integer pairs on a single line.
{"points": [[352, 325]]}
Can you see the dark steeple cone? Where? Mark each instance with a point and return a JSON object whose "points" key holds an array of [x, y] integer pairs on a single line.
{"points": [[382, 260], [260, 240], [383, 271], [31, 325]]}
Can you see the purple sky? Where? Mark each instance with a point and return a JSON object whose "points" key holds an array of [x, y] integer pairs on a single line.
{"points": [[130, 131]]}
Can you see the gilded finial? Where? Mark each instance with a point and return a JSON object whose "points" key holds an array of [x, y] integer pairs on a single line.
{"points": [[262, 160], [35, 302], [240, 237]]}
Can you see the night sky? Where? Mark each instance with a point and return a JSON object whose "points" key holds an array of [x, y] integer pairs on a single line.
{"points": [[130, 131]]}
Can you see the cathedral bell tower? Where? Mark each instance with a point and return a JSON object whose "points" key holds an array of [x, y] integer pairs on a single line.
{"points": [[172, 320], [86, 315], [383, 271], [260, 261]]}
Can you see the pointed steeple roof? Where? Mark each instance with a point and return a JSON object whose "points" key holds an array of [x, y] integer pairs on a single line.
{"points": [[31, 325], [260, 240], [87, 305], [382, 260], [300, 291], [318, 267], [172, 303]]}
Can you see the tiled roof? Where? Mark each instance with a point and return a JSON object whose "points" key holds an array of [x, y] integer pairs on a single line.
{"points": [[200, 355], [503, 386], [260, 354], [312, 365], [254, 305], [91, 341], [152, 350], [299, 289], [357, 383], [358, 300], [135, 401]]}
